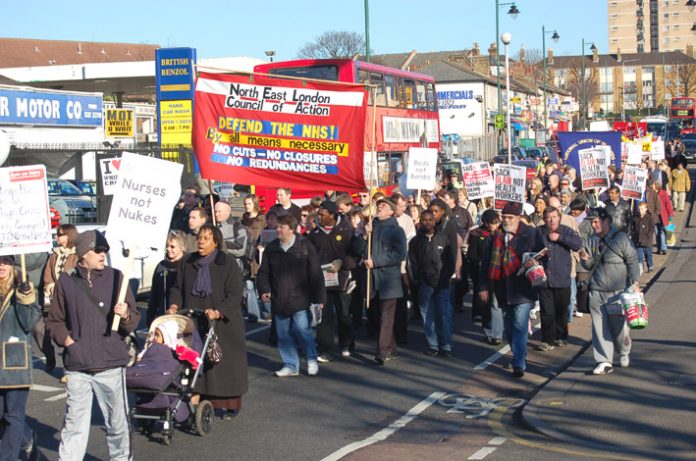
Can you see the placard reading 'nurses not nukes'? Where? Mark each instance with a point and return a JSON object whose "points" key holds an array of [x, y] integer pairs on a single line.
{"points": [[279, 133], [146, 192], [478, 180], [594, 164], [25, 225], [633, 184], [421, 171], [510, 181]]}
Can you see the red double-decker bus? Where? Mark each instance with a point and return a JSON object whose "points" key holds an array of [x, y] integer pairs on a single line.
{"points": [[682, 112], [404, 108]]}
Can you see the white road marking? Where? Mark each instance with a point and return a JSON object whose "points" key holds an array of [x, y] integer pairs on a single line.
{"points": [[482, 453], [389, 430], [256, 330], [60, 396], [42, 388], [503, 350], [497, 441]]}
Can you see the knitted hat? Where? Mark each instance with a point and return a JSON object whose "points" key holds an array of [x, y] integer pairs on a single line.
{"points": [[513, 208], [329, 206], [90, 240]]}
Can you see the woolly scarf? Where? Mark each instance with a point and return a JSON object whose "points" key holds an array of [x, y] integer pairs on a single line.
{"points": [[202, 285], [504, 259], [62, 254]]}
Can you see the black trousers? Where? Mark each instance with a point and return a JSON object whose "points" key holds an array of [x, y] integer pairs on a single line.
{"points": [[554, 313], [336, 315]]}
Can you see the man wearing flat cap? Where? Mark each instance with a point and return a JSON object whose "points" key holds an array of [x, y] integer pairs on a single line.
{"points": [[501, 277], [384, 264], [85, 302], [333, 238]]}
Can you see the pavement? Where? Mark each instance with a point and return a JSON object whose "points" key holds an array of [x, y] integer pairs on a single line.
{"points": [[645, 411]]}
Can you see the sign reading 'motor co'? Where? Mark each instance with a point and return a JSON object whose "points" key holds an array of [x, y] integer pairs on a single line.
{"points": [[21, 107]]}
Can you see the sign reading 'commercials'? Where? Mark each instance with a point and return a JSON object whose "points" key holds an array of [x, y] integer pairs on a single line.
{"points": [[509, 184], [279, 133], [421, 172], [594, 164], [478, 180], [634, 180], [143, 201], [25, 226]]}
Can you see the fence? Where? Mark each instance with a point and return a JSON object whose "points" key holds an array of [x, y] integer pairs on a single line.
{"points": [[482, 148]]}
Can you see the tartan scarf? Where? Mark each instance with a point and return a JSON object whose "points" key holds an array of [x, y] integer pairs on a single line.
{"points": [[504, 260]]}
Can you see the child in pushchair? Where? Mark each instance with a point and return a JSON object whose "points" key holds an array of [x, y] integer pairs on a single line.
{"points": [[163, 378]]}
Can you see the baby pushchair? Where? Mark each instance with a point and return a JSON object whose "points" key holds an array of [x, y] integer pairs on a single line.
{"points": [[164, 388]]}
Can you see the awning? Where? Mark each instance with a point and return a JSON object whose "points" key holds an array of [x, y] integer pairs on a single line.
{"points": [[520, 126]]}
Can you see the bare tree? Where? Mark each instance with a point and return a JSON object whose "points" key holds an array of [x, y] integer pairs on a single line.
{"points": [[681, 80], [333, 44], [583, 88]]}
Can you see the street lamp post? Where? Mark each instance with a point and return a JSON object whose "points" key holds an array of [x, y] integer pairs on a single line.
{"points": [[507, 38], [270, 54], [583, 89], [513, 12], [555, 38], [367, 30]]}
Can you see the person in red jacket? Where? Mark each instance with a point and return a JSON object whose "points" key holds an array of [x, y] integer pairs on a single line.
{"points": [[666, 214]]}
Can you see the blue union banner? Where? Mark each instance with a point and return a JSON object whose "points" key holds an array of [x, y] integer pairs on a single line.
{"points": [[572, 142]]}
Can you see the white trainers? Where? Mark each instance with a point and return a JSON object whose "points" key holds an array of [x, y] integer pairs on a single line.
{"points": [[624, 361], [345, 352], [578, 314], [312, 368], [286, 372], [604, 368]]}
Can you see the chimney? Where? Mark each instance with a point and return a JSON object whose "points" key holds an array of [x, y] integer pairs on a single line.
{"points": [[521, 54], [690, 51], [492, 49], [595, 55], [407, 63], [618, 55], [475, 51], [549, 58]]}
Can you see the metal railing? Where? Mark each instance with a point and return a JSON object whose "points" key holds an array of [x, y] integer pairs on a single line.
{"points": [[479, 148]]}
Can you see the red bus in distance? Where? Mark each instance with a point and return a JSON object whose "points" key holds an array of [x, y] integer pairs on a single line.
{"points": [[682, 112], [406, 112]]}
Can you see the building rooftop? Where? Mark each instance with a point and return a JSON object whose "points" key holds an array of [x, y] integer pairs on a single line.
{"points": [[612, 60]]}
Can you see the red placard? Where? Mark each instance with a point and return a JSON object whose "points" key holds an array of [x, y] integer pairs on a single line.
{"points": [[279, 133]]}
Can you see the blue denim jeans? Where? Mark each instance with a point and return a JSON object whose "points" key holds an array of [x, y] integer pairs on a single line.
{"points": [[661, 237], [573, 298], [289, 327], [493, 328], [13, 406], [436, 310], [516, 320], [643, 254]]}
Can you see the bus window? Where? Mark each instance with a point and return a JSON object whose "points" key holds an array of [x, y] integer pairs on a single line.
{"points": [[421, 102], [409, 94], [364, 78], [430, 94], [378, 81], [327, 72], [392, 91]]}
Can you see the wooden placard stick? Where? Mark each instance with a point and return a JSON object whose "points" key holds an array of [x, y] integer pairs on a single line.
{"points": [[124, 287]]}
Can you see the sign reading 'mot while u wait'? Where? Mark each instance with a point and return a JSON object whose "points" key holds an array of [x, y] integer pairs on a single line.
{"points": [[143, 201]]}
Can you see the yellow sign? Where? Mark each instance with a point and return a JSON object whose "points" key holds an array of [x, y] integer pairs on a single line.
{"points": [[176, 120], [330, 147], [516, 99], [118, 123]]}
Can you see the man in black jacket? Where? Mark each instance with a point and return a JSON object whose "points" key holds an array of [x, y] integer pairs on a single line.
{"points": [[554, 294], [290, 276], [619, 210], [431, 261], [332, 239]]}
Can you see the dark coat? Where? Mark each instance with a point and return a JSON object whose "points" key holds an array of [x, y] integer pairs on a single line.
{"points": [[654, 205], [293, 278], [228, 378], [644, 231], [462, 218], [388, 251], [558, 262], [294, 210], [333, 245], [74, 313], [431, 259], [163, 279], [620, 214], [515, 289], [18, 314]]}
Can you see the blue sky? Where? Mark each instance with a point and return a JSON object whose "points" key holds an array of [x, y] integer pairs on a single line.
{"points": [[250, 27]]}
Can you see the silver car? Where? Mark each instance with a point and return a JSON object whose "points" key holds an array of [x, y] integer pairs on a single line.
{"points": [[74, 206]]}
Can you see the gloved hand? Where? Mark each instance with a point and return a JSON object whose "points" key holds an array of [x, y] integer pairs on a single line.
{"points": [[336, 265], [25, 288]]}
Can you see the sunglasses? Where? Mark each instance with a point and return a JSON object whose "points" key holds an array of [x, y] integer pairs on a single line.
{"points": [[304, 215], [101, 249], [59, 234]]}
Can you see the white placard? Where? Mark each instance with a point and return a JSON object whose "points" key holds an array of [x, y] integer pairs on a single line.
{"points": [[478, 180], [421, 171], [594, 164], [658, 150], [634, 153], [510, 183], [633, 184], [109, 173], [330, 278], [370, 167], [146, 192], [25, 223]]}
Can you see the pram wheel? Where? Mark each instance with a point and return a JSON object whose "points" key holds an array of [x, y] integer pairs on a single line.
{"points": [[147, 427], [204, 418]]}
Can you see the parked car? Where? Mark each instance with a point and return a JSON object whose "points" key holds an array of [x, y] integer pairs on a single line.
{"points": [[73, 205], [520, 151], [530, 165], [690, 149], [504, 158]]}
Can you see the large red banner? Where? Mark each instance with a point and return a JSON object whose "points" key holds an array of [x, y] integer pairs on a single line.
{"points": [[279, 133]]}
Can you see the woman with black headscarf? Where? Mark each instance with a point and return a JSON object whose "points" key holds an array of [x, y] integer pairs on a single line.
{"points": [[210, 282]]}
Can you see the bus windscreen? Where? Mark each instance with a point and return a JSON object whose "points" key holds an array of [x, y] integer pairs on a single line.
{"points": [[657, 129], [327, 72]]}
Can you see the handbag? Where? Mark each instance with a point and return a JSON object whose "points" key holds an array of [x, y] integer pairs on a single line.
{"points": [[214, 352]]}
